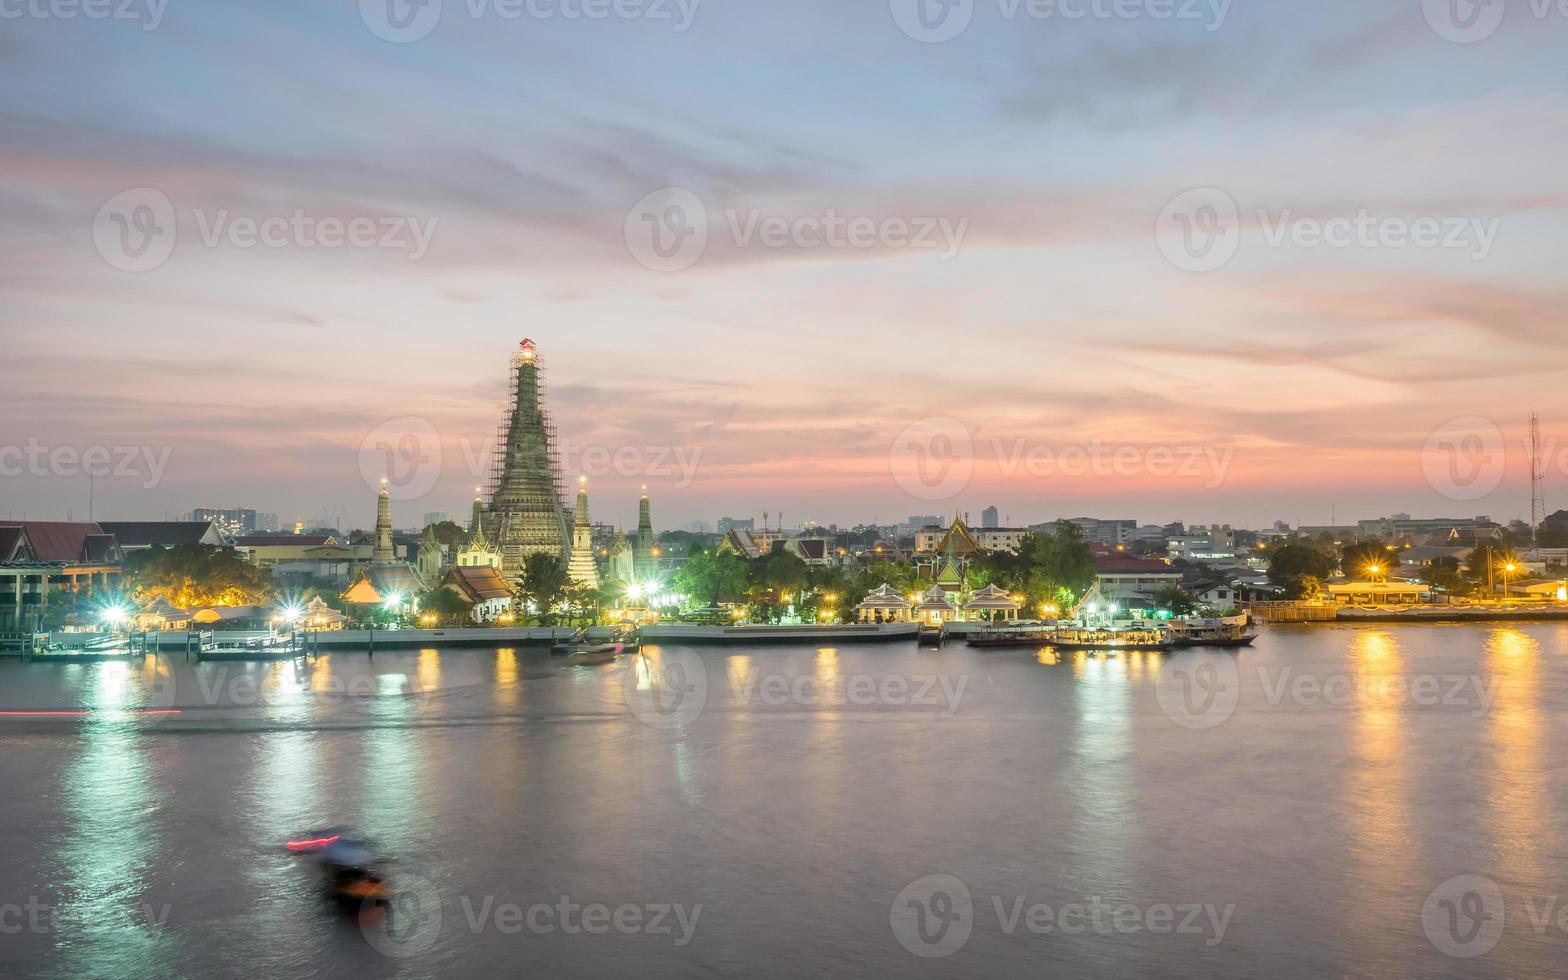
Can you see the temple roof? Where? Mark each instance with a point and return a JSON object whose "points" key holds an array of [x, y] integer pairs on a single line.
{"points": [[884, 597], [992, 597], [958, 540], [935, 600], [477, 583]]}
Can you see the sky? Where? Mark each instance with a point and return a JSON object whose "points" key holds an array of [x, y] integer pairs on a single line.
{"points": [[844, 260]]}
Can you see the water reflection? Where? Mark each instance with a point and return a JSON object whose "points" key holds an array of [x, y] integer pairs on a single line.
{"points": [[1377, 797], [111, 841], [1100, 779], [1517, 793]]}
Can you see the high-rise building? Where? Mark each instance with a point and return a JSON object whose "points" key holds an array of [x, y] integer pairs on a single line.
{"points": [[234, 522], [436, 517], [738, 523], [1111, 532], [525, 515], [990, 517]]}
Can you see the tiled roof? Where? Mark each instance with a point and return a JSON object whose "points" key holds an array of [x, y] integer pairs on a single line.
{"points": [[58, 540], [100, 548], [14, 545], [476, 583], [167, 534]]}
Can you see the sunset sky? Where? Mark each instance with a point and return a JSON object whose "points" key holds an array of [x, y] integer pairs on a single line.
{"points": [[784, 378]]}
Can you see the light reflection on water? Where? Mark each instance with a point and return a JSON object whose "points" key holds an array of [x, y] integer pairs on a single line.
{"points": [[1376, 799], [503, 773]]}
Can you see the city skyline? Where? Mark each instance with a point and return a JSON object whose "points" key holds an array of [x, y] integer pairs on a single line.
{"points": [[1049, 309]]}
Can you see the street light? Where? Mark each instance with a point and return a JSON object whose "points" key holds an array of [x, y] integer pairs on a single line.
{"points": [[1508, 569]]}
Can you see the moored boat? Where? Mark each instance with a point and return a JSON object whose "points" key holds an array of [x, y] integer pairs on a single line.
{"points": [[594, 653], [1224, 632], [1110, 638], [1032, 636]]}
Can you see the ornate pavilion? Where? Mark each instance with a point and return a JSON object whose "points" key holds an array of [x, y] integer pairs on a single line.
{"points": [[883, 605]]}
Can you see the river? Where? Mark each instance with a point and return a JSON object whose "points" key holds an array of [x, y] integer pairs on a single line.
{"points": [[1337, 800]]}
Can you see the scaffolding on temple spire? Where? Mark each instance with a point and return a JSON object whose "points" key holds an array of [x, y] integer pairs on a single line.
{"points": [[525, 514]]}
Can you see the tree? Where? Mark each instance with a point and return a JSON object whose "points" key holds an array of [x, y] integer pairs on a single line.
{"points": [[543, 583], [1292, 565], [1068, 561], [449, 534], [710, 577], [1053, 567], [582, 603], [1177, 599], [1358, 558], [776, 575], [1554, 530], [194, 574], [449, 608], [1444, 575]]}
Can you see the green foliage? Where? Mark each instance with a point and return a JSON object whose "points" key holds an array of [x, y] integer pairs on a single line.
{"points": [[1299, 568], [1177, 599], [189, 575], [449, 608], [1554, 530], [449, 534], [544, 582], [582, 602], [1444, 575], [1054, 567], [1357, 556], [776, 575], [710, 577]]}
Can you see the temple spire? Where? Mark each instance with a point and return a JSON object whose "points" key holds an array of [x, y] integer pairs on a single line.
{"points": [[382, 554], [525, 512], [646, 564], [581, 567]]}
